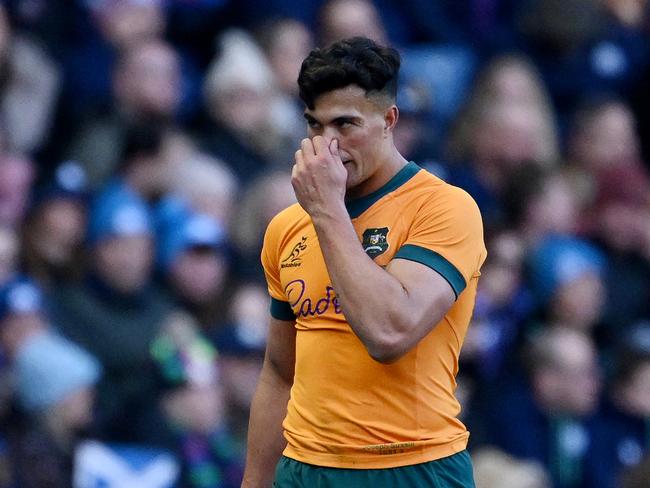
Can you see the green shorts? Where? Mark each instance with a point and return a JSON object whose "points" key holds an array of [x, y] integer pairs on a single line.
{"points": [[450, 472]]}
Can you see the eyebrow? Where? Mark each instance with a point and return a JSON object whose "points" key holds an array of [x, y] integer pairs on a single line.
{"points": [[342, 118]]}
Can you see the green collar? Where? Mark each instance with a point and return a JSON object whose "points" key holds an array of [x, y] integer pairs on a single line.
{"points": [[359, 205]]}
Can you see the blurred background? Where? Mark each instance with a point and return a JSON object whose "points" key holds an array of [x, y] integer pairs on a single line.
{"points": [[145, 145]]}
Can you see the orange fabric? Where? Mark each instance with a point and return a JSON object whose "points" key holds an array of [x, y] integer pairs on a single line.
{"points": [[347, 410]]}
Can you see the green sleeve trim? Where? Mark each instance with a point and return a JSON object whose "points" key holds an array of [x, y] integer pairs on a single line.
{"points": [[281, 310], [436, 262]]}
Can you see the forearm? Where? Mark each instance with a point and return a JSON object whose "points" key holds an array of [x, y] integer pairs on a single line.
{"points": [[265, 439], [379, 314]]}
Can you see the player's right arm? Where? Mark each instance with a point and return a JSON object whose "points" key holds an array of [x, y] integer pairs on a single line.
{"points": [[269, 407]]}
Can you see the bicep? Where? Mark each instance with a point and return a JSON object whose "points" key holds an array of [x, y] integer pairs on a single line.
{"points": [[429, 294], [281, 348]]}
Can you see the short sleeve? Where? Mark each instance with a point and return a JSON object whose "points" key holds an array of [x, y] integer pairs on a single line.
{"points": [[447, 236], [280, 308]]}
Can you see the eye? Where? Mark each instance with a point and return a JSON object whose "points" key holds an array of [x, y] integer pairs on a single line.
{"points": [[313, 124], [343, 124]]}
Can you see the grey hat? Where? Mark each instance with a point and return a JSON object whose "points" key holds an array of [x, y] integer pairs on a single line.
{"points": [[48, 368]]}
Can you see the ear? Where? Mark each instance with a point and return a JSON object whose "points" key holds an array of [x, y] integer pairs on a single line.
{"points": [[390, 119]]}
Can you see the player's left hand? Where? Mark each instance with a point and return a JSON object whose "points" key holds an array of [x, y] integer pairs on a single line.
{"points": [[319, 177]]}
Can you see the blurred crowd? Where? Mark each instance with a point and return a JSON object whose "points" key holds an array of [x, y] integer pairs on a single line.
{"points": [[145, 145]]}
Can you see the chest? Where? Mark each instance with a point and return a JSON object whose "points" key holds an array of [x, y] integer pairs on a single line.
{"points": [[303, 272]]}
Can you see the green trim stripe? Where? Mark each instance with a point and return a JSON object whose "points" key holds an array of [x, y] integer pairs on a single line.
{"points": [[281, 310], [436, 262], [359, 205]]}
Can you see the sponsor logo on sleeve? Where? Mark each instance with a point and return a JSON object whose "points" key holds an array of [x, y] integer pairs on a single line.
{"points": [[294, 259]]}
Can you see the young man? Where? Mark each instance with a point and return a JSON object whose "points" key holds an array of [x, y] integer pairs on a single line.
{"points": [[373, 278]]}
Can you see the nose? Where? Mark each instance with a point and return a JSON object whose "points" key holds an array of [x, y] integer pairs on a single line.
{"points": [[330, 133]]}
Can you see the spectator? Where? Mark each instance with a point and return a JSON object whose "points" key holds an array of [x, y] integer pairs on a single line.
{"points": [[583, 48], [503, 304], [489, 25], [555, 407], [543, 202], [29, 88], [54, 389], [244, 128], [206, 185], [194, 260], [266, 196], [605, 149], [604, 146], [146, 90], [341, 19], [567, 277], [54, 229], [506, 124], [116, 313], [621, 432], [604, 136], [144, 167], [194, 406], [507, 79], [111, 27], [241, 346], [505, 138], [416, 136], [22, 315], [286, 42]]}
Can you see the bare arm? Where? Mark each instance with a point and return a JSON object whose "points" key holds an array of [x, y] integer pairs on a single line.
{"points": [[269, 407], [389, 309], [403, 302]]}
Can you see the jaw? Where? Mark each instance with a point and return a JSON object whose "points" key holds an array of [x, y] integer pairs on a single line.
{"points": [[356, 187]]}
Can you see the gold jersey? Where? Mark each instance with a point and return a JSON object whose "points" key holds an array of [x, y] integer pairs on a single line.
{"points": [[347, 410]]}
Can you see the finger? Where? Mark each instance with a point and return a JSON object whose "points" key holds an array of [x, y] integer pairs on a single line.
{"points": [[294, 179], [307, 147], [319, 144], [334, 148], [298, 157]]}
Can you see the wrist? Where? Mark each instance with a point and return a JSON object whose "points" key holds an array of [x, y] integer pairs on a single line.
{"points": [[326, 216]]}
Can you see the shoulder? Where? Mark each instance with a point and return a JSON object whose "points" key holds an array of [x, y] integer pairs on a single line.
{"points": [[437, 186], [433, 195], [287, 220], [283, 227]]}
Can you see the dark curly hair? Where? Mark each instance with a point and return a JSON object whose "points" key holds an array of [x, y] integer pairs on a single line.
{"points": [[355, 61]]}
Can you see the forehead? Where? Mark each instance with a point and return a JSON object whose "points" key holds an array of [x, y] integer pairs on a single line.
{"points": [[347, 101]]}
